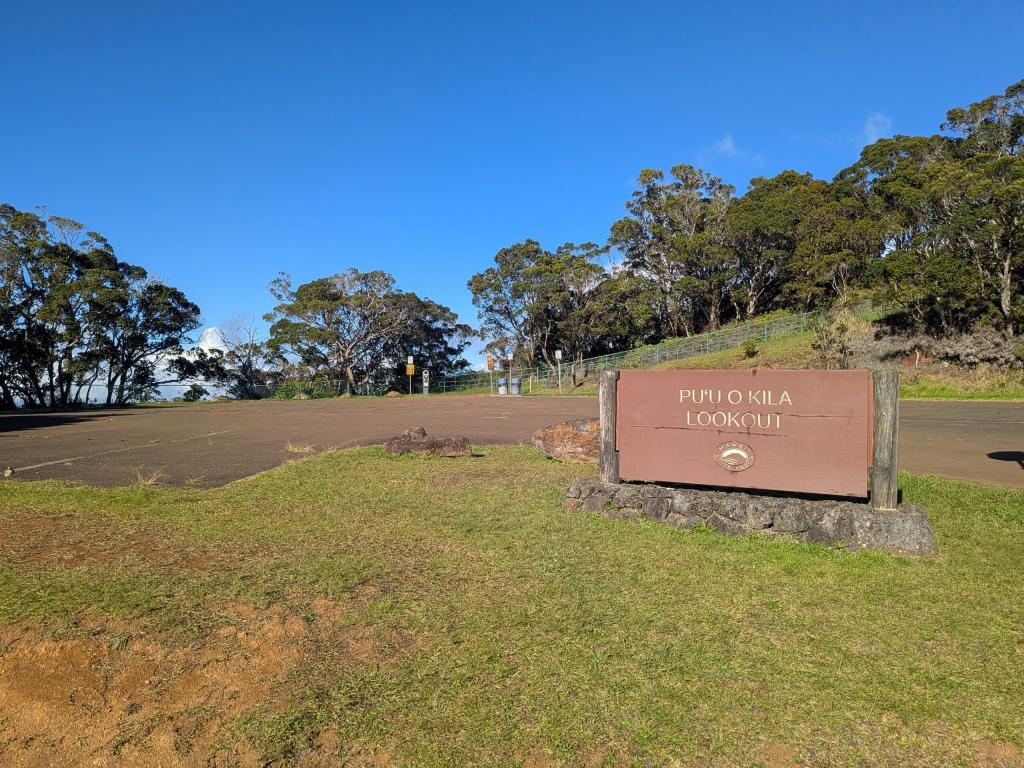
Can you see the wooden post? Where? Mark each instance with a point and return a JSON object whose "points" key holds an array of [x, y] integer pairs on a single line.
{"points": [[609, 457], [884, 467]]}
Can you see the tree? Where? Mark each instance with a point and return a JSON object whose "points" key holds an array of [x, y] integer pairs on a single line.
{"points": [[72, 315], [764, 231], [338, 325], [992, 126], [146, 327], [195, 393], [675, 237], [624, 308], [432, 335], [949, 212], [579, 278], [248, 364], [508, 301], [538, 301], [990, 217], [353, 327]]}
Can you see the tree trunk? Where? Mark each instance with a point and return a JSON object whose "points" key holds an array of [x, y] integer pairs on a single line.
{"points": [[121, 384], [1006, 294], [715, 313], [8, 397]]}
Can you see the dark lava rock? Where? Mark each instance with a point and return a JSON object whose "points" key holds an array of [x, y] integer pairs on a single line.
{"points": [[416, 440], [843, 524]]}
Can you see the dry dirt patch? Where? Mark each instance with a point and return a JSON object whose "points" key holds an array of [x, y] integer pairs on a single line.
{"points": [[86, 700], [997, 755], [72, 540]]}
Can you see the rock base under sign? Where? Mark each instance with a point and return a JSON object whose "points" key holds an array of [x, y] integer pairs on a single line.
{"points": [[838, 523]]}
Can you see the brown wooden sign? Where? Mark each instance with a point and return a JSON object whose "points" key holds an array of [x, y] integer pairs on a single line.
{"points": [[799, 431]]}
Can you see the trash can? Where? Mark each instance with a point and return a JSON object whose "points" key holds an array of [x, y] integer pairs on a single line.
{"points": [[514, 390], [502, 389]]}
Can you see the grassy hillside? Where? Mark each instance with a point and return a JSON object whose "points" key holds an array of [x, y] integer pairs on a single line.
{"points": [[982, 383], [785, 352]]}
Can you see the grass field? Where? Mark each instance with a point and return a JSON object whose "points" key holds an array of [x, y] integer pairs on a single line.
{"points": [[963, 385], [357, 609]]}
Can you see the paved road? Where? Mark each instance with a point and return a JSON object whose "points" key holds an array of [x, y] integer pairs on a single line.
{"points": [[212, 444], [971, 440]]}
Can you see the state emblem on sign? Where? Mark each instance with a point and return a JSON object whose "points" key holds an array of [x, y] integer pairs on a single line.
{"points": [[734, 457]]}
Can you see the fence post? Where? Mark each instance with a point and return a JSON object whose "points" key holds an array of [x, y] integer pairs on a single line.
{"points": [[609, 457], [884, 467]]}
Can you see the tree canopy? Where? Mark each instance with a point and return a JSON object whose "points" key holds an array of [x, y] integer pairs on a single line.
{"points": [[73, 318], [356, 328]]}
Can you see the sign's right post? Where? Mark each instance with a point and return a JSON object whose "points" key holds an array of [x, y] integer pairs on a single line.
{"points": [[886, 435]]}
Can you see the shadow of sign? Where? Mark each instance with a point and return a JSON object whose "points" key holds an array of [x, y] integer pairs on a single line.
{"points": [[1017, 456], [19, 421]]}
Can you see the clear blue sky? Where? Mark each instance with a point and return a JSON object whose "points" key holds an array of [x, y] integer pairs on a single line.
{"points": [[217, 143]]}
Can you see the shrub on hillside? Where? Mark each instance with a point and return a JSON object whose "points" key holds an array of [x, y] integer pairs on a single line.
{"points": [[983, 346], [831, 342]]}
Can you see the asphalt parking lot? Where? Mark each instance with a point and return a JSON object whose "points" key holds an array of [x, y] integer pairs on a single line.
{"points": [[211, 444]]}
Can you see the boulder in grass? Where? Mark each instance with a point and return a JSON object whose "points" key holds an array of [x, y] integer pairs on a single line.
{"points": [[576, 440], [416, 440], [392, 393]]}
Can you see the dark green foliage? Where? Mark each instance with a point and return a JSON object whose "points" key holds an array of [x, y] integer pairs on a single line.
{"points": [[75, 322], [676, 237], [432, 335], [195, 393], [356, 329], [536, 301]]}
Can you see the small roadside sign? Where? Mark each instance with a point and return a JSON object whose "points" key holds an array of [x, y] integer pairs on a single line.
{"points": [[490, 362], [410, 369]]}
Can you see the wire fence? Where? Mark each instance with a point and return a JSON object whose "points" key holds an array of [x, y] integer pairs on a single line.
{"points": [[575, 373]]}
